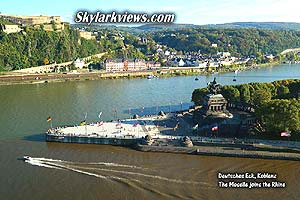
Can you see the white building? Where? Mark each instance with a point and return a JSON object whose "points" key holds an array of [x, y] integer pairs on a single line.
{"points": [[181, 63], [10, 28], [79, 63]]}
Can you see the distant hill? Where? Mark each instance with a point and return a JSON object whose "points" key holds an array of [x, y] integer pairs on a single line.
{"points": [[161, 27], [260, 25], [170, 27]]}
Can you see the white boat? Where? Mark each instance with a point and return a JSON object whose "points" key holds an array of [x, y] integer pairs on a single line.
{"points": [[27, 158], [151, 77]]}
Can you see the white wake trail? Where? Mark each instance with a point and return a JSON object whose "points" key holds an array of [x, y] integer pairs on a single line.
{"points": [[40, 164], [90, 163]]}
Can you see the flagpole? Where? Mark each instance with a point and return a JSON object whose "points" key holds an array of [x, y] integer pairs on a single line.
{"points": [[85, 123]]}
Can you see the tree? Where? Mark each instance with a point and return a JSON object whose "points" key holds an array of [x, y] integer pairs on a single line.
{"points": [[46, 61], [198, 95], [283, 91], [279, 115], [244, 93], [261, 97], [230, 93]]}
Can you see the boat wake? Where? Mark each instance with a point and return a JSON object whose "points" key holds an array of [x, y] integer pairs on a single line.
{"points": [[96, 169]]}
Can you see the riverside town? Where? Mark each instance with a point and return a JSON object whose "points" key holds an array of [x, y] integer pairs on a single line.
{"points": [[150, 100]]}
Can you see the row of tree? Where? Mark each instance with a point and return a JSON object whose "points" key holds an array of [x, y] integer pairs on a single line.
{"points": [[254, 93]]}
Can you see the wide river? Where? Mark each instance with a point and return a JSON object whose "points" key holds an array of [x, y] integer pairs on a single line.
{"points": [[106, 172]]}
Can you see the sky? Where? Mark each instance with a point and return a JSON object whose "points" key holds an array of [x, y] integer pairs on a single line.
{"points": [[189, 12]]}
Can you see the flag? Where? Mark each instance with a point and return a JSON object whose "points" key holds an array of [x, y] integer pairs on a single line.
{"points": [[195, 127], [100, 115], [285, 134], [82, 123], [49, 119], [135, 124], [214, 128], [100, 123]]}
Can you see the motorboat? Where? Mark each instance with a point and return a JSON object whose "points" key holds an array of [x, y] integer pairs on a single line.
{"points": [[26, 158]]}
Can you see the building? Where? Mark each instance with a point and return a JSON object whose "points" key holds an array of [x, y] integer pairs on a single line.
{"points": [[79, 63], [181, 63], [32, 20], [153, 65], [121, 65], [87, 35], [50, 23], [54, 27], [10, 28], [115, 65]]}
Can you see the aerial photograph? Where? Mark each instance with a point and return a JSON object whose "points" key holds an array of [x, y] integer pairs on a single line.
{"points": [[144, 100]]}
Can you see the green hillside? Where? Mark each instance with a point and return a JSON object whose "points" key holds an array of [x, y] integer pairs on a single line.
{"points": [[240, 42]]}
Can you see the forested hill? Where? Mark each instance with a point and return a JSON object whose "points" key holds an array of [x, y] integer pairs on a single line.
{"points": [[237, 41], [33, 47]]}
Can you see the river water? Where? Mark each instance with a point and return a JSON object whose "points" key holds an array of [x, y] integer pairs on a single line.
{"points": [[106, 172]]}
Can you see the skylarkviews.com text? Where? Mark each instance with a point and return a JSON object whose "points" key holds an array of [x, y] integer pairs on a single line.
{"points": [[125, 17]]}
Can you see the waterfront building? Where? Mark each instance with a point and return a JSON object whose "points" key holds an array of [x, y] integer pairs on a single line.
{"points": [[79, 63], [120, 65]]}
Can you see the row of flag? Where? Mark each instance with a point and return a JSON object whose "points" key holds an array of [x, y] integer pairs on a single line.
{"points": [[213, 129]]}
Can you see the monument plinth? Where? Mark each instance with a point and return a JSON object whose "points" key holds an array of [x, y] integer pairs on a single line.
{"points": [[214, 104]]}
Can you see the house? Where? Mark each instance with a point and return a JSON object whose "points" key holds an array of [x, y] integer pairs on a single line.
{"points": [[153, 65], [223, 54], [181, 63], [200, 64], [79, 63]]}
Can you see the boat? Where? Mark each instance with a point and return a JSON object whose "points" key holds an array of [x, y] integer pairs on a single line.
{"points": [[150, 77], [27, 158], [234, 79], [196, 79]]}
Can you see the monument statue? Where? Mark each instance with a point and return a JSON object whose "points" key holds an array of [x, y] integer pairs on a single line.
{"points": [[214, 87]]}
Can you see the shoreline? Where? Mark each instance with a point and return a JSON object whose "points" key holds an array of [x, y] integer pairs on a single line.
{"points": [[14, 78]]}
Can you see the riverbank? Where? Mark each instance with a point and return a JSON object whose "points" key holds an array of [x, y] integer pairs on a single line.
{"points": [[22, 78]]}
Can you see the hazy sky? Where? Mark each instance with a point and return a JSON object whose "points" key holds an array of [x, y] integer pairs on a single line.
{"points": [[192, 12]]}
